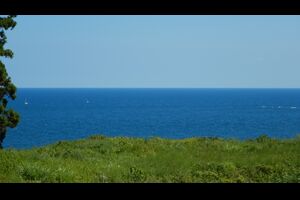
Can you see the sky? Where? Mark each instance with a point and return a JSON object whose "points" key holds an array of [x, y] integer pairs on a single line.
{"points": [[155, 51]]}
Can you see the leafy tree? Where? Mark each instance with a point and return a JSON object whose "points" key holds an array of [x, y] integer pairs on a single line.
{"points": [[8, 117]]}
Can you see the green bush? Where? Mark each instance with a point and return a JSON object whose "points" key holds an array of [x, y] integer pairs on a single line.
{"points": [[97, 137], [135, 175], [263, 138]]}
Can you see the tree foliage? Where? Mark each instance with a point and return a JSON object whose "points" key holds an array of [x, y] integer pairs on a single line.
{"points": [[8, 117]]}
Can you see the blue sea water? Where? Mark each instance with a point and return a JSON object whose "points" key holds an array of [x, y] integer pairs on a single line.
{"points": [[65, 114]]}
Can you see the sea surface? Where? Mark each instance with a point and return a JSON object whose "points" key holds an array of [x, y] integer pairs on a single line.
{"points": [[51, 115]]}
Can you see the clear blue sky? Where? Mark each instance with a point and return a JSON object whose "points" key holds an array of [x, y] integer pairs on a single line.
{"points": [[155, 51]]}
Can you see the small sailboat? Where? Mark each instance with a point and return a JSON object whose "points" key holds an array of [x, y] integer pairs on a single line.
{"points": [[87, 101], [26, 103]]}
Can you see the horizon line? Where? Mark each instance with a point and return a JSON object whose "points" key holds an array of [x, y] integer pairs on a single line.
{"points": [[158, 87]]}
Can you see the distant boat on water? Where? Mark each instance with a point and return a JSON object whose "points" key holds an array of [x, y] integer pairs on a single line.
{"points": [[26, 103]]}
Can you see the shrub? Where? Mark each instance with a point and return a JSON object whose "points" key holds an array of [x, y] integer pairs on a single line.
{"points": [[97, 137], [37, 173], [136, 175], [208, 176], [263, 138], [34, 173]]}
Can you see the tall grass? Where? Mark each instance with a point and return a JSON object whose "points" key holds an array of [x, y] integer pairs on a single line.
{"points": [[122, 159]]}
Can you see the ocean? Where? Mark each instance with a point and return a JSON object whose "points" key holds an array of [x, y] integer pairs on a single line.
{"points": [[51, 115]]}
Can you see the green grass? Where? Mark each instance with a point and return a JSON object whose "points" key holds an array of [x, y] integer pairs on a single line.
{"points": [[121, 159]]}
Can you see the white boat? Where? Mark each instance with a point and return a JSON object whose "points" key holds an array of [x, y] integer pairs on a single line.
{"points": [[26, 103]]}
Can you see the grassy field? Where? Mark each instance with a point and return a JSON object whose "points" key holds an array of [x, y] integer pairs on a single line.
{"points": [[120, 159]]}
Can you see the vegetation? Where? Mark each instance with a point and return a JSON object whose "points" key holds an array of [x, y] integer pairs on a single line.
{"points": [[8, 117], [121, 159]]}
